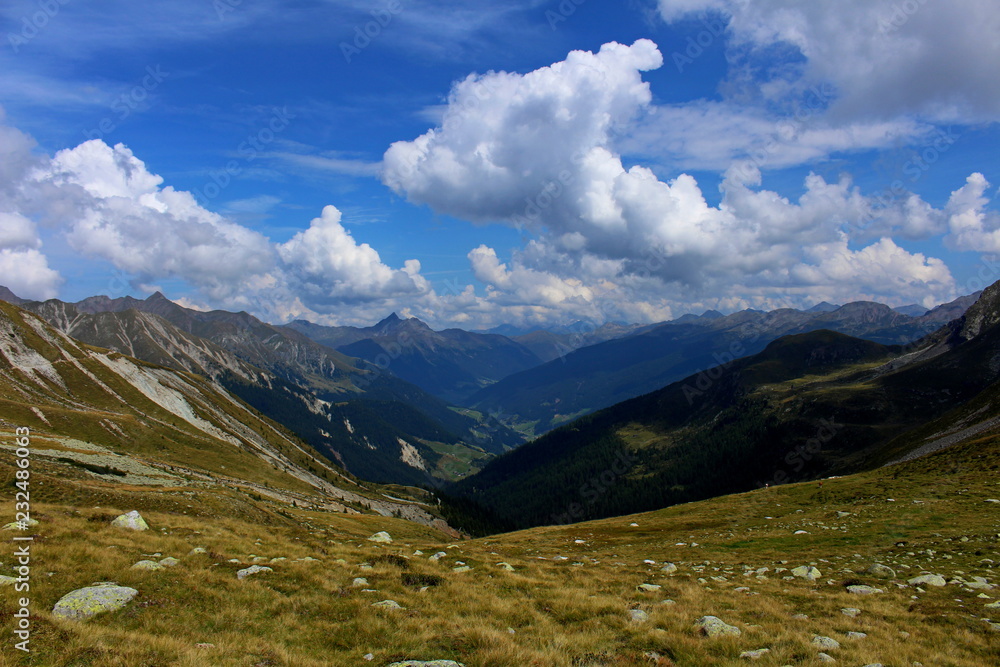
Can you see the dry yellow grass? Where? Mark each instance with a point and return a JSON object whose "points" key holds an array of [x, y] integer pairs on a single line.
{"points": [[565, 604]]}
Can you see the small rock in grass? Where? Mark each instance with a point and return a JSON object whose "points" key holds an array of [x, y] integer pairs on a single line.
{"points": [[862, 589], [381, 537], [881, 571], [756, 654], [825, 643], [850, 611], [131, 520], [856, 635], [928, 580], [169, 561], [649, 588], [806, 572], [253, 569], [83, 603], [712, 626], [146, 565], [387, 604], [638, 616]]}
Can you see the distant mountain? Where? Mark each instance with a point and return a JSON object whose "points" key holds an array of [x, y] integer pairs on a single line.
{"points": [[809, 405], [404, 435], [596, 376], [10, 297], [451, 364], [912, 310], [823, 307], [114, 418], [560, 341]]}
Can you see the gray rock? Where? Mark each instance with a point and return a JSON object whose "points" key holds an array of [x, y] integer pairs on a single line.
{"points": [[856, 635], [862, 589], [993, 605], [637, 616], [755, 654], [825, 643], [825, 657], [84, 603], [359, 582], [7, 581], [806, 572], [438, 556], [850, 611], [169, 562], [198, 550], [461, 568], [253, 569], [649, 588], [146, 565], [387, 604], [427, 663], [381, 537], [669, 568], [20, 525], [506, 566], [928, 580], [881, 571], [131, 520], [712, 626]]}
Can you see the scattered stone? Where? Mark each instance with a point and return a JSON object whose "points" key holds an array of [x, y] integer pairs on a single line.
{"points": [[861, 589], [461, 568], [992, 605], [806, 572], [850, 611], [801, 532], [756, 654], [506, 566], [633, 525], [825, 643], [169, 561], [21, 525], [841, 515], [368, 656], [856, 635], [669, 568], [381, 537], [253, 569], [881, 571], [146, 565], [928, 580], [712, 626], [637, 616], [198, 550], [7, 581], [204, 645], [132, 521], [649, 588], [387, 604], [438, 556], [799, 617], [359, 581], [84, 603], [825, 657], [667, 603], [428, 663]]}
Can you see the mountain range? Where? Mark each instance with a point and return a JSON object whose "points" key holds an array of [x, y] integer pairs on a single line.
{"points": [[808, 405]]}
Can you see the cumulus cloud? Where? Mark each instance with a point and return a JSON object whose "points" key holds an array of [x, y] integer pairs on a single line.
{"points": [[539, 151], [971, 226], [885, 58]]}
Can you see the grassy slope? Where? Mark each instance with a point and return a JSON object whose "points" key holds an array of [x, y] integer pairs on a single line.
{"points": [[567, 602]]}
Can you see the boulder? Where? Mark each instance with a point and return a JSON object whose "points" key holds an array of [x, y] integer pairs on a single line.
{"points": [[861, 589], [825, 643], [253, 569], [928, 580], [381, 537], [637, 616], [755, 654], [387, 604], [712, 626], [84, 603], [427, 663], [649, 588], [806, 572], [131, 521], [881, 571], [669, 568], [146, 565]]}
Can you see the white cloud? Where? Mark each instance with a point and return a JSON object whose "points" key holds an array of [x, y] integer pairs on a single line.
{"points": [[327, 266], [971, 226], [885, 58]]}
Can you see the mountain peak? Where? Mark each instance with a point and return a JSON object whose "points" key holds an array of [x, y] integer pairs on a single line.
{"points": [[823, 307]]}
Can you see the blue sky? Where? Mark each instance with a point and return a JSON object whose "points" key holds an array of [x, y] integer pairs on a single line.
{"points": [[521, 162]]}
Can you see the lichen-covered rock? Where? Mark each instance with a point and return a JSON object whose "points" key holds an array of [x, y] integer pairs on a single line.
{"points": [[637, 616], [253, 569], [146, 565], [427, 663], [387, 604], [928, 580], [169, 561], [649, 588], [807, 572], [825, 643], [131, 520], [381, 537], [712, 626], [881, 571], [84, 603], [756, 654], [861, 589]]}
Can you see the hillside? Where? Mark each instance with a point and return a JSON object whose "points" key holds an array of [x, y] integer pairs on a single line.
{"points": [[626, 591], [101, 418], [450, 364], [316, 392], [809, 405], [597, 376]]}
